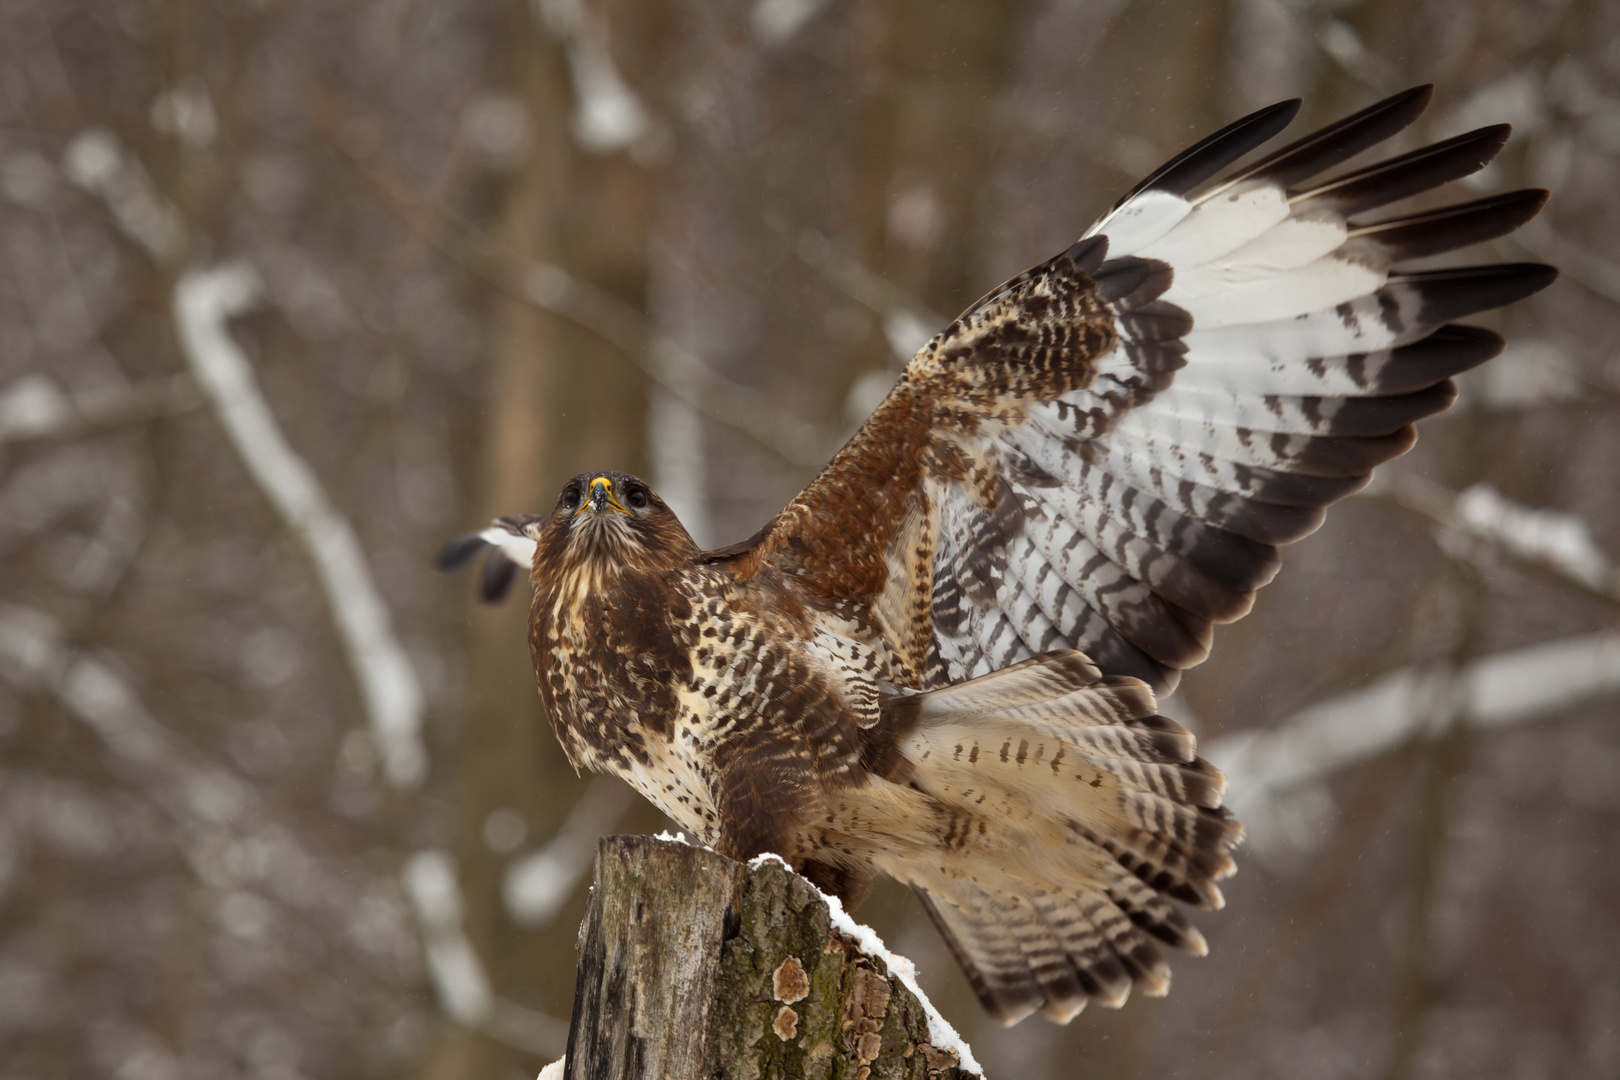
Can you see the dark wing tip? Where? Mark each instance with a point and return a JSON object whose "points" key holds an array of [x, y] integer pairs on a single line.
{"points": [[1409, 174], [1343, 139], [1420, 95], [495, 583], [1474, 344], [1460, 291], [459, 552], [1451, 227], [1215, 152]]}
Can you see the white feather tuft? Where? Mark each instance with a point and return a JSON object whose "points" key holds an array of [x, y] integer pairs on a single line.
{"points": [[515, 546]]}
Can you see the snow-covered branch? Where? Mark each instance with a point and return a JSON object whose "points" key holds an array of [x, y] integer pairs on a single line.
{"points": [[36, 407], [97, 162], [459, 980], [204, 301], [775, 22], [1340, 42], [33, 656], [1494, 691], [458, 977], [1557, 541], [537, 885], [608, 116]]}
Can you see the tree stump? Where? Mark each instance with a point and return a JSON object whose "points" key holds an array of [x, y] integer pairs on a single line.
{"points": [[693, 967]]}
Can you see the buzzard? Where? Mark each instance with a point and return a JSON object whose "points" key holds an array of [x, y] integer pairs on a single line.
{"points": [[940, 661]]}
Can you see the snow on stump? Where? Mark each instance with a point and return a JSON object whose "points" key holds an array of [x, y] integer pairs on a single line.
{"points": [[692, 966]]}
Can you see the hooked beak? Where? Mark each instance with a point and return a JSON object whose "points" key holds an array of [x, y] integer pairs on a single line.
{"points": [[601, 497]]}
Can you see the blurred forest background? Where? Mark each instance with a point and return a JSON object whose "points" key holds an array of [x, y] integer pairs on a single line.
{"points": [[291, 291]]}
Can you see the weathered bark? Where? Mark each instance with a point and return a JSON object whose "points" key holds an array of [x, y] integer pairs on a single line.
{"points": [[693, 966]]}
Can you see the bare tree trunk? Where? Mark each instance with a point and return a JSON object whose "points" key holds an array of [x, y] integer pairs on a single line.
{"points": [[693, 966]]}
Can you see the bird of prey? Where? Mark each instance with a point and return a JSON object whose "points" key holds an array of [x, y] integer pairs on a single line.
{"points": [[940, 660]]}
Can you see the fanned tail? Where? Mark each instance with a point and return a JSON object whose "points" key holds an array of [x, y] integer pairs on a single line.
{"points": [[1062, 815]]}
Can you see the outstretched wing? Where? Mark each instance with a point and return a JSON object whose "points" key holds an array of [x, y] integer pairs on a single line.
{"points": [[1105, 452]]}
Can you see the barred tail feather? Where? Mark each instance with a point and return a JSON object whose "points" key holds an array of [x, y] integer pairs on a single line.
{"points": [[1065, 813]]}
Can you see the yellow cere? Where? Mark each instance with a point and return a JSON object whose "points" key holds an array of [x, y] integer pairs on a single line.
{"points": [[613, 501]]}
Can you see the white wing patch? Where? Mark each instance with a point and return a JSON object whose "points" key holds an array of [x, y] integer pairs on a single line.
{"points": [[1141, 221], [1220, 226], [1289, 245], [1320, 286]]}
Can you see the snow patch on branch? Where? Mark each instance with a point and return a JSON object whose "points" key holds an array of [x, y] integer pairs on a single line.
{"points": [[97, 162], [1267, 767], [460, 982], [608, 116], [458, 977], [940, 1031], [775, 22], [1562, 541], [204, 301], [537, 885], [36, 407]]}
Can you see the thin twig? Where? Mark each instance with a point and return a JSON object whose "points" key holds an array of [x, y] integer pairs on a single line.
{"points": [[682, 373], [908, 323]]}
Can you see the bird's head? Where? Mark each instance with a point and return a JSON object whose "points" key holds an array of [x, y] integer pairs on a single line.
{"points": [[615, 519]]}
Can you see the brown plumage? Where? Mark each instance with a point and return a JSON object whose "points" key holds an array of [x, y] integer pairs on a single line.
{"points": [[940, 660]]}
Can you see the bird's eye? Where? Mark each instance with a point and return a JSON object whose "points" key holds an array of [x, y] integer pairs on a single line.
{"points": [[570, 498], [637, 497]]}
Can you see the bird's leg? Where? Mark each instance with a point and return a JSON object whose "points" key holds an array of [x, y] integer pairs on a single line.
{"points": [[767, 791], [850, 883]]}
